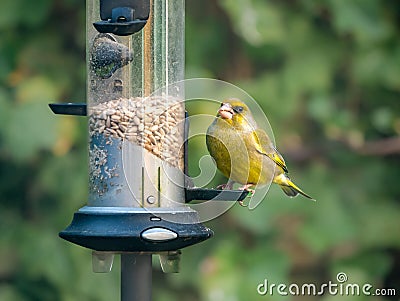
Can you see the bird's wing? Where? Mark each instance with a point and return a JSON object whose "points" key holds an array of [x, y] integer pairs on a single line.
{"points": [[264, 146]]}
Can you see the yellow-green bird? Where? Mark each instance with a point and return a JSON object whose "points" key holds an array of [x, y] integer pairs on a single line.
{"points": [[244, 153]]}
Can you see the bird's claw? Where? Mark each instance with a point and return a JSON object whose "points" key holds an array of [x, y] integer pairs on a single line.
{"points": [[248, 189], [241, 203], [227, 186]]}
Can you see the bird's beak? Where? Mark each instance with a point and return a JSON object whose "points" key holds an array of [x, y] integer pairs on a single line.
{"points": [[226, 111]]}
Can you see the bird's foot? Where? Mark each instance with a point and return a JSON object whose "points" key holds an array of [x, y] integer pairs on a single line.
{"points": [[227, 186], [241, 203], [248, 189]]}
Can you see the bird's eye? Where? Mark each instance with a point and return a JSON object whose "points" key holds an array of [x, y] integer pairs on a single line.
{"points": [[222, 104], [238, 109]]}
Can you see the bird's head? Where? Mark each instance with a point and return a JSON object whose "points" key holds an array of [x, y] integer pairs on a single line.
{"points": [[235, 112]]}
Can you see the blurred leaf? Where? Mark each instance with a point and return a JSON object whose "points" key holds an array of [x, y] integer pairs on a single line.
{"points": [[382, 118], [25, 12], [321, 108], [361, 18], [5, 105], [330, 225], [9, 293], [377, 66], [375, 264], [31, 128], [9, 13], [257, 22], [233, 272], [382, 219], [37, 89]]}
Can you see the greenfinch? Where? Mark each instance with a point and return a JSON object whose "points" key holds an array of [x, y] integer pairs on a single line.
{"points": [[244, 153]]}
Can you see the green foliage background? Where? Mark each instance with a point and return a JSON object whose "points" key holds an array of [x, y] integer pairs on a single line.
{"points": [[327, 74]]}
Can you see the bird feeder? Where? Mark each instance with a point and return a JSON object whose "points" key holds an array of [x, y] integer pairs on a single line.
{"points": [[137, 145]]}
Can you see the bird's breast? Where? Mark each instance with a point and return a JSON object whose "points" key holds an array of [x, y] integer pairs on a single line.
{"points": [[236, 156]]}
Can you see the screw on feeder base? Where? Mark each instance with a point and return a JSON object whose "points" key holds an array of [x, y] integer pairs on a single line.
{"points": [[151, 199]]}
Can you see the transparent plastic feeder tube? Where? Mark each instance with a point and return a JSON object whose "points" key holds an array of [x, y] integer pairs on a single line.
{"points": [[136, 111]]}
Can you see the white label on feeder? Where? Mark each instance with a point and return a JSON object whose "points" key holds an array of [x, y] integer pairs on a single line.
{"points": [[159, 234]]}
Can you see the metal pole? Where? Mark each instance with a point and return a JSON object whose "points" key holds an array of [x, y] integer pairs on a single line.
{"points": [[136, 271]]}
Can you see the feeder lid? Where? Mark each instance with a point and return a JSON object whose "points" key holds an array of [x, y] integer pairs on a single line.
{"points": [[122, 17]]}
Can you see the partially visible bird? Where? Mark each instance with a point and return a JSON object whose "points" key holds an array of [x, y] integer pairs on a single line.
{"points": [[244, 153]]}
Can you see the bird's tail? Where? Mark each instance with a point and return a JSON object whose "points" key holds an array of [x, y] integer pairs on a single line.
{"points": [[288, 187]]}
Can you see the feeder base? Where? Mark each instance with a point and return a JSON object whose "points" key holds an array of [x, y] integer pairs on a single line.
{"points": [[125, 229]]}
